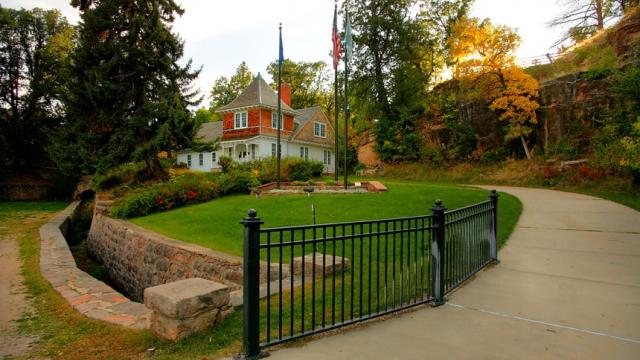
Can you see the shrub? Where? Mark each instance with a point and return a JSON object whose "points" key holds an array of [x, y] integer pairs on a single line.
{"points": [[120, 175], [494, 156], [304, 170], [226, 163], [563, 149], [291, 169], [183, 190], [433, 155]]}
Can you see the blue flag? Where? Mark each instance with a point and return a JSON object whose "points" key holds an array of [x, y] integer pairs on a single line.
{"points": [[281, 56]]}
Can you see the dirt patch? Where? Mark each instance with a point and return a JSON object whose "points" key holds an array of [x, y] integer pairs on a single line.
{"points": [[14, 302]]}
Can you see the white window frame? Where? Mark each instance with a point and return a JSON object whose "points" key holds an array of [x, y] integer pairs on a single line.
{"points": [[274, 116], [214, 158], [304, 153], [273, 150], [189, 160], [327, 157], [201, 159], [240, 120], [319, 129]]}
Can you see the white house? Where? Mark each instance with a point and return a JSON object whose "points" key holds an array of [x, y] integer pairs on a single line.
{"points": [[248, 131]]}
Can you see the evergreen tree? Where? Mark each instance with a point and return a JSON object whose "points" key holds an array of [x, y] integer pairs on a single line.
{"points": [[128, 95]]}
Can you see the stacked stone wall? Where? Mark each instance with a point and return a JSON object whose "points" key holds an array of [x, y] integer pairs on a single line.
{"points": [[137, 258]]}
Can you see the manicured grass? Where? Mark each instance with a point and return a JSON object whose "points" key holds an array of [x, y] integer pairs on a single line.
{"points": [[215, 224]]}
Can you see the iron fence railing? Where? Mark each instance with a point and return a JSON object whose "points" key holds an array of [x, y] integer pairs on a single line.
{"points": [[303, 280]]}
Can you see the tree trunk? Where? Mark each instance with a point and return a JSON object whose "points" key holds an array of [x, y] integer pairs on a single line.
{"points": [[155, 170], [598, 4], [526, 149]]}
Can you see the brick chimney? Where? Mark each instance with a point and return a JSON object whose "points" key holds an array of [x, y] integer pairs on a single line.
{"points": [[285, 93]]}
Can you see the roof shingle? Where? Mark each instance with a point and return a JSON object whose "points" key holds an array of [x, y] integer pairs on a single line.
{"points": [[257, 93]]}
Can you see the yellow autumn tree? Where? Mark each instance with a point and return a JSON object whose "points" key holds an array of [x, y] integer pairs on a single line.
{"points": [[484, 62]]}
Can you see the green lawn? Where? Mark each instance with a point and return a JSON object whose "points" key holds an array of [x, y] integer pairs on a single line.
{"points": [[383, 273], [215, 224]]}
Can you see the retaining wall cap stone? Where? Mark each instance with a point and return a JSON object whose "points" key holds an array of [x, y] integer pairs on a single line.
{"points": [[186, 298]]}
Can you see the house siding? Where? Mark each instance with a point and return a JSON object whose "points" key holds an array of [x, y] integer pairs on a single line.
{"points": [[306, 132]]}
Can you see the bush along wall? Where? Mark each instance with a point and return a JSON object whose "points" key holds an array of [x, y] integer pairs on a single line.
{"points": [[186, 189]]}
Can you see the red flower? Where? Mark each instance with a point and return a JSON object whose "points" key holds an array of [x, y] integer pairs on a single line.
{"points": [[191, 195]]}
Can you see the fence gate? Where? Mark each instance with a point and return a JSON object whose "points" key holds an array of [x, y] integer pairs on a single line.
{"points": [[303, 280]]}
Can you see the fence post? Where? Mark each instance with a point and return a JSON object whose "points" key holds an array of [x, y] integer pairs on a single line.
{"points": [[494, 232], [438, 253], [251, 286]]}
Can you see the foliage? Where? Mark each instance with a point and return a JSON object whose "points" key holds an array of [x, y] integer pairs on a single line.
{"points": [[291, 169], [225, 89], [485, 64], [190, 188], [397, 54], [127, 92], [433, 155], [631, 150], [563, 149], [615, 145], [226, 163], [304, 170], [124, 174], [309, 82], [204, 115], [494, 156], [34, 54]]}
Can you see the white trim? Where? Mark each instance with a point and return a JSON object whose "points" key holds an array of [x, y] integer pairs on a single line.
{"points": [[320, 126], [240, 115]]}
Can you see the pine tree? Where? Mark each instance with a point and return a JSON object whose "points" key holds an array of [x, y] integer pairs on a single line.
{"points": [[128, 96]]}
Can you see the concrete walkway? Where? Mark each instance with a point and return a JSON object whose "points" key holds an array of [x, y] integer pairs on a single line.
{"points": [[567, 287]]}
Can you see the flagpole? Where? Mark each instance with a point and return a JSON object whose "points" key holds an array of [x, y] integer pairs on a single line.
{"points": [[335, 136], [347, 54], [336, 49], [279, 118]]}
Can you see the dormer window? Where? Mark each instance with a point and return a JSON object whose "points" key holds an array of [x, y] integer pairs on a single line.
{"points": [[240, 120], [274, 120], [319, 129]]}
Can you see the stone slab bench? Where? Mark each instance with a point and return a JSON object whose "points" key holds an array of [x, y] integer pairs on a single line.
{"points": [[329, 267], [185, 307]]}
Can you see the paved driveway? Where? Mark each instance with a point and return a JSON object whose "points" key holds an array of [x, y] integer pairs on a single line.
{"points": [[567, 287]]}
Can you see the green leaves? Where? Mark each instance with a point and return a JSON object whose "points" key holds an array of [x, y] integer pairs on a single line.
{"points": [[128, 95]]}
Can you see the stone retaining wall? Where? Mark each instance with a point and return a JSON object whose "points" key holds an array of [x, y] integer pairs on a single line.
{"points": [[137, 258], [86, 294]]}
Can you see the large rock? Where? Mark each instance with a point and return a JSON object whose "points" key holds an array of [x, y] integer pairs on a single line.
{"points": [[185, 307], [328, 268]]}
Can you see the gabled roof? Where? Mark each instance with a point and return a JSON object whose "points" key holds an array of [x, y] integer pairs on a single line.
{"points": [[304, 115], [210, 131], [258, 93]]}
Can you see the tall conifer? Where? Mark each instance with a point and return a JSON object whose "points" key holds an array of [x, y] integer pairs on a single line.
{"points": [[128, 93]]}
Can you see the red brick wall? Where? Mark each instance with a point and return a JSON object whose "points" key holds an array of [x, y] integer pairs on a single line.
{"points": [[285, 93]]}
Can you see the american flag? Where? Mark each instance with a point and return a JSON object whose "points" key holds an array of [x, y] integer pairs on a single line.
{"points": [[335, 37]]}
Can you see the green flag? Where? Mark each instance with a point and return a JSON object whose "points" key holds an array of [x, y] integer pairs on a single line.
{"points": [[348, 42]]}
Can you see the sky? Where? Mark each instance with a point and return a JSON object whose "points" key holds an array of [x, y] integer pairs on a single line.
{"points": [[220, 34]]}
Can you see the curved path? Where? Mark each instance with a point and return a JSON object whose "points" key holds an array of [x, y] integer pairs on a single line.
{"points": [[567, 287]]}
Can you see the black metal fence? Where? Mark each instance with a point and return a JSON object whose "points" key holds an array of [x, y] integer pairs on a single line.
{"points": [[303, 280]]}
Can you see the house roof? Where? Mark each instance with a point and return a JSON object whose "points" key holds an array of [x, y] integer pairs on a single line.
{"points": [[303, 117], [258, 93], [210, 131]]}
